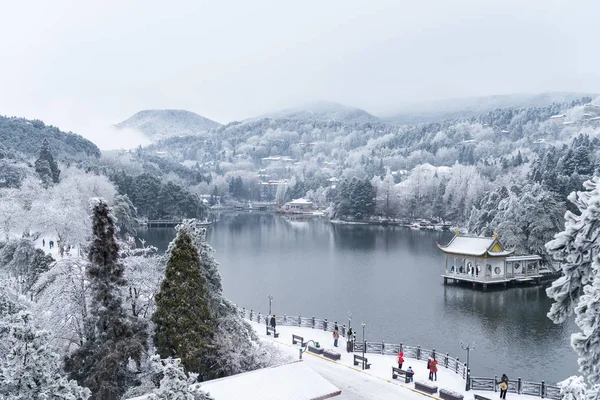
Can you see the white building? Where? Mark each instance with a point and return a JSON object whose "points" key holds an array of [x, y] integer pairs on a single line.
{"points": [[485, 261], [299, 206]]}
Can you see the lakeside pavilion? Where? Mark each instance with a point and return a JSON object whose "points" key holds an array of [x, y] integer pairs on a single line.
{"points": [[485, 261]]}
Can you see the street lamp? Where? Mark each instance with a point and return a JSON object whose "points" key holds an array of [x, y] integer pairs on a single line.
{"points": [[364, 345], [468, 348], [270, 300], [349, 319]]}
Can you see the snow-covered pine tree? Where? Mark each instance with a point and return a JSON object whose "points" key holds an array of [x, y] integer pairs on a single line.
{"points": [[31, 369], [183, 322], [101, 364], [175, 384], [45, 165], [578, 289], [235, 347]]}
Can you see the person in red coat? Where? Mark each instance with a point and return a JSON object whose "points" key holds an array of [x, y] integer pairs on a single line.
{"points": [[433, 370], [400, 359]]}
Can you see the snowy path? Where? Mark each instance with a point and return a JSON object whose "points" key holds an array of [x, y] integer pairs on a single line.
{"points": [[375, 383]]}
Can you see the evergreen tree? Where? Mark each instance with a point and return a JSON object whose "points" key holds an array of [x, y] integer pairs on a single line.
{"points": [[183, 320], [235, 348], [31, 370], [101, 363], [577, 291], [45, 165]]}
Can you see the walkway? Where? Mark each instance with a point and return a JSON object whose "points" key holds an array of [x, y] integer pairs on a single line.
{"points": [[375, 383]]}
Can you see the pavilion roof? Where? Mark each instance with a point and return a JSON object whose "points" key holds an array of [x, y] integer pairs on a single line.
{"points": [[475, 246]]}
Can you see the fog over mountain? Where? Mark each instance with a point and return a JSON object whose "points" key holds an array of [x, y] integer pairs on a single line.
{"points": [[324, 111], [160, 124], [471, 106]]}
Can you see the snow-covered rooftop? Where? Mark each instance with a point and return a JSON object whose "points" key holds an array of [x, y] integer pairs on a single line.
{"points": [[300, 201], [474, 246], [294, 381]]}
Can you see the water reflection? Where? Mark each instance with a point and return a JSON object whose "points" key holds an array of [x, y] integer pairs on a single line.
{"points": [[390, 279]]}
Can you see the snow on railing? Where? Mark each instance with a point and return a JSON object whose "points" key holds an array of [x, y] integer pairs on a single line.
{"points": [[416, 352], [539, 389]]}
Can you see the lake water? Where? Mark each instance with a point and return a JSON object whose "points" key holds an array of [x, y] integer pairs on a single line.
{"points": [[390, 279]]}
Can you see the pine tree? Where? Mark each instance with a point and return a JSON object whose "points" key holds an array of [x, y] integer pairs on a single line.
{"points": [[183, 321], [235, 348], [577, 291], [31, 368], [45, 166], [101, 364]]}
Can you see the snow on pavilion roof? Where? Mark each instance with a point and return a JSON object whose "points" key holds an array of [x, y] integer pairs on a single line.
{"points": [[475, 246], [293, 381]]}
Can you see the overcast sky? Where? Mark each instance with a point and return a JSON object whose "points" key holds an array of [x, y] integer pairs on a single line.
{"points": [[83, 65]]}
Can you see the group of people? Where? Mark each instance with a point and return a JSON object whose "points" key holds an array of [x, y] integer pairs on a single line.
{"points": [[432, 364], [62, 249], [409, 372]]}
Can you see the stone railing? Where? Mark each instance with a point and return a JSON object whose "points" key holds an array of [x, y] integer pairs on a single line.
{"points": [[539, 389], [416, 352]]}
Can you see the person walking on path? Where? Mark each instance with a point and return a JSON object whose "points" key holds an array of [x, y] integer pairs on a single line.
{"points": [[410, 373], [272, 322], [400, 359], [336, 335], [50, 244], [503, 386]]}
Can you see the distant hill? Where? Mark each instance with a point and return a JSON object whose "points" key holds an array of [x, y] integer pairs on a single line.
{"points": [[25, 136], [467, 107], [161, 124], [324, 111]]}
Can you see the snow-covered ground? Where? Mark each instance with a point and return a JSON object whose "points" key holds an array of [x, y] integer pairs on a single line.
{"points": [[375, 383], [55, 251]]}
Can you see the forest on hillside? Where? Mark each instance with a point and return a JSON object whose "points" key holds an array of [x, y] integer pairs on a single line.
{"points": [[507, 171]]}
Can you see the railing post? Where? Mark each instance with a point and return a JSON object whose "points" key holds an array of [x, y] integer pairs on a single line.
{"points": [[244, 312], [495, 383], [299, 321], [313, 322], [468, 383], [401, 347], [543, 390], [457, 364], [284, 319], [250, 315], [325, 324], [446, 360], [433, 353], [382, 347], [464, 371], [519, 382], [418, 352], [258, 318], [343, 330]]}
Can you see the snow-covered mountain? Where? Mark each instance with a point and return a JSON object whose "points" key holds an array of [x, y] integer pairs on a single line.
{"points": [[465, 107], [160, 124], [325, 111]]}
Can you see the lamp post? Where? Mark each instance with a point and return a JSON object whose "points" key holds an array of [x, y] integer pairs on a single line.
{"points": [[468, 348], [364, 345], [349, 319], [270, 300]]}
